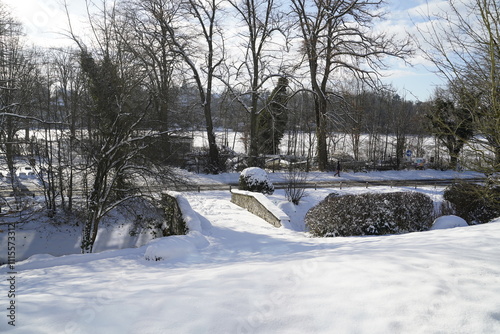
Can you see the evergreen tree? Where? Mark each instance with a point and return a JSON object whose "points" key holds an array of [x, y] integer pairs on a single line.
{"points": [[452, 126], [273, 119]]}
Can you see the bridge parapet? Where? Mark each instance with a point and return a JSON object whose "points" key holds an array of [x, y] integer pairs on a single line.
{"points": [[261, 206]]}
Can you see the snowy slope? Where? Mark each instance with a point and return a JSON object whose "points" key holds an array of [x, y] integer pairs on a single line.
{"points": [[255, 278]]}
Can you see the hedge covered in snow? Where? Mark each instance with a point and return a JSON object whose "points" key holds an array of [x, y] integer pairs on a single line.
{"points": [[370, 214], [475, 203]]}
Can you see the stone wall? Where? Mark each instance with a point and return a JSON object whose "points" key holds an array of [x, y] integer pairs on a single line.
{"points": [[259, 205], [174, 224]]}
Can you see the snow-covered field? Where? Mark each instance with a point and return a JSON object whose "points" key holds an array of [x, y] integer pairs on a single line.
{"points": [[251, 277]]}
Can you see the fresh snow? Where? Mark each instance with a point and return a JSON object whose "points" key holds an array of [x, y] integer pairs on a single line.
{"points": [[256, 173], [246, 276], [450, 221], [255, 176]]}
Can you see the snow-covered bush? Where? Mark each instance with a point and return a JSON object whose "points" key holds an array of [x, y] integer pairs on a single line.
{"points": [[255, 179], [475, 203], [370, 214]]}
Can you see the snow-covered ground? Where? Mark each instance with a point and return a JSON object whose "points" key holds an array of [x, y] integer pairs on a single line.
{"points": [[251, 277], [118, 230]]}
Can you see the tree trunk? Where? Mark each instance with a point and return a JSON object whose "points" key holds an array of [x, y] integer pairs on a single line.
{"points": [[254, 143], [320, 110], [214, 160]]}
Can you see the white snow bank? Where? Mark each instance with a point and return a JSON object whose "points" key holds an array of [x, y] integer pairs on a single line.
{"points": [[179, 246], [175, 247], [39, 235], [450, 221]]}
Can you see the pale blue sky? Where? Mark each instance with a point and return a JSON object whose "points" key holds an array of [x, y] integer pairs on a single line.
{"points": [[44, 21], [418, 80]]}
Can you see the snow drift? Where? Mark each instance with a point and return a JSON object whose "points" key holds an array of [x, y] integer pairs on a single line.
{"points": [[450, 221]]}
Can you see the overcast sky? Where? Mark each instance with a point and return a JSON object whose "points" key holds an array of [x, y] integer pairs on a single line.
{"points": [[45, 23]]}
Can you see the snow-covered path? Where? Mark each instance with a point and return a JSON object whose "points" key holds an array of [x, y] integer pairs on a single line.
{"points": [[255, 278], [236, 233]]}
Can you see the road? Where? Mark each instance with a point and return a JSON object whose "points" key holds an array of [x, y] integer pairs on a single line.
{"points": [[6, 191], [334, 184]]}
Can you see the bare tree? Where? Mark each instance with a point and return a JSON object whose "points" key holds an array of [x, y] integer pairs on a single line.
{"points": [[401, 118], [69, 98], [147, 37], [358, 101], [463, 42], [113, 138], [262, 22], [301, 125], [43, 146], [16, 86], [195, 36], [339, 39]]}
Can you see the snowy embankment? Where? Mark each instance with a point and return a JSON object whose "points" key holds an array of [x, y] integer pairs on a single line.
{"points": [[35, 233], [254, 278]]}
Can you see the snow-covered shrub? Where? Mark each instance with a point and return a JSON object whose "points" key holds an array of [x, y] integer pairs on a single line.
{"points": [[475, 203], [255, 179], [370, 214]]}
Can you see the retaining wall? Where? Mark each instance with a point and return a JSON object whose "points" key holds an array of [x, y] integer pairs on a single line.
{"points": [[259, 205]]}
